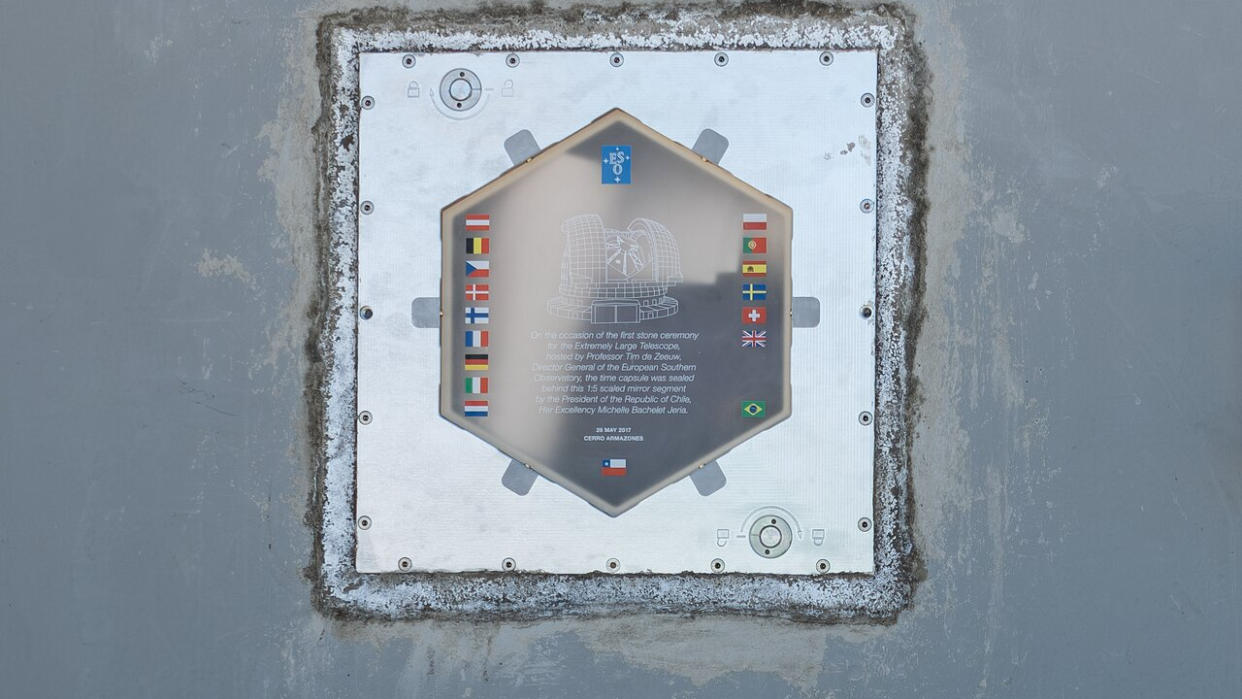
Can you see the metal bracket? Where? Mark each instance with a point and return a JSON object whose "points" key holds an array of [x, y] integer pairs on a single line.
{"points": [[711, 145], [805, 312], [521, 146], [518, 477], [708, 478], [425, 312]]}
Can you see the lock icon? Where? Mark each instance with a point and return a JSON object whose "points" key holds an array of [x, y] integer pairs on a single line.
{"points": [[506, 90], [412, 90]]}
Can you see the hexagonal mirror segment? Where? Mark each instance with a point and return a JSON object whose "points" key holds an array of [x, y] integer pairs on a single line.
{"points": [[615, 312]]}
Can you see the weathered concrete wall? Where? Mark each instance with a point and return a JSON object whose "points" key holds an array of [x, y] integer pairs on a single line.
{"points": [[1077, 466]]}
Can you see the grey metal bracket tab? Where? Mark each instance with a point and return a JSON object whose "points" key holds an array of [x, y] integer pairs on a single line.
{"points": [[521, 146], [708, 478], [425, 312], [805, 312], [518, 477], [711, 145]]}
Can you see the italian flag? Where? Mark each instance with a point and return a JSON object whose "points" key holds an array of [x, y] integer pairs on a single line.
{"points": [[476, 384]]}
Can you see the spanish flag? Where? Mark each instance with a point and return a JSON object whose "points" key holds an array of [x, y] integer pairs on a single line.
{"points": [[754, 268]]}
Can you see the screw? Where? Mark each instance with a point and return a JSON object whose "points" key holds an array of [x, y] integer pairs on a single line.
{"points": [[364, 417], [717, 565], [864, 524], [868, 99], [368, 102], [616, 60], [408, 60], [508, 564], [866, 311], [366, 207], [365, 312], [864, 418], [613, 564], [721, 59], [821, 565], [866, 205], [512, 60], [364, 522], [405, 564], [825, 58]]}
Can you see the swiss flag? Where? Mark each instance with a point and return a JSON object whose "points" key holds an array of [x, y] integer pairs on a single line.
{"points": [[754, 315]]}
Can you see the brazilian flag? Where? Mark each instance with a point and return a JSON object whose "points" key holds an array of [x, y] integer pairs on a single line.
{"points": [[754, 408]]}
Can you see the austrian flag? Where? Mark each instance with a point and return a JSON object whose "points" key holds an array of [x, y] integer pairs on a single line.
{"points": [[478, 222]]}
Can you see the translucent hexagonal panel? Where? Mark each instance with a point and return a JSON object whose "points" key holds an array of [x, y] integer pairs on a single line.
{"points": [[615, 312]]}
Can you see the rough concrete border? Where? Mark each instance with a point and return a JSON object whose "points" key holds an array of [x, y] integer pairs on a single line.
{"points": [[343, 592]]}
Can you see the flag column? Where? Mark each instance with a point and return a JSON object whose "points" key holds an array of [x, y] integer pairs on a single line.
{"points": [[754, 295], [477, 291]]}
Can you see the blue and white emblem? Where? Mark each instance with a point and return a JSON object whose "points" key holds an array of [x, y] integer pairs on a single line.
{"points": [[614, 164]]}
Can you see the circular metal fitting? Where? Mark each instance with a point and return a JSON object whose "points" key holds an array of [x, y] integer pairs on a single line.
{"points": [[865, 311], [864, 418], [366, 207], [770, 536], [721, 59], [718, 565], [864, 524], [364, 522], [365, 313], [368, 102], [867, 100], [460, 89], [825, 58], [615, 60], [866, 205], [613, 565], [508, 564], [408, 60], [821, 566], [512, 60], [404, 564], [364, 417]]}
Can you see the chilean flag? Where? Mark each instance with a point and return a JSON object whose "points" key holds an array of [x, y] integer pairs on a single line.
{"points": [[612, 467]]}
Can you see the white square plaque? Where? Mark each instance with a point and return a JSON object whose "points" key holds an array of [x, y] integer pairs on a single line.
{"points": [[799, 129]]}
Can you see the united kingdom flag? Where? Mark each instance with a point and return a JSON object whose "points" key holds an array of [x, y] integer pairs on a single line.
{"points": [[754, 338]]}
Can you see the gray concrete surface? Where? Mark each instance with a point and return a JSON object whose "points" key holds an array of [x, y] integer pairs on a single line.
{"points": [[1077, 466]]}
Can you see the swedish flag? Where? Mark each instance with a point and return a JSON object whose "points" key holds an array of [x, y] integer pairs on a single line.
{"points": [[754, 292]]}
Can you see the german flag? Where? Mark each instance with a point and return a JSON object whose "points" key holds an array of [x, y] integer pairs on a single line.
{"points": [[476, 362]]}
